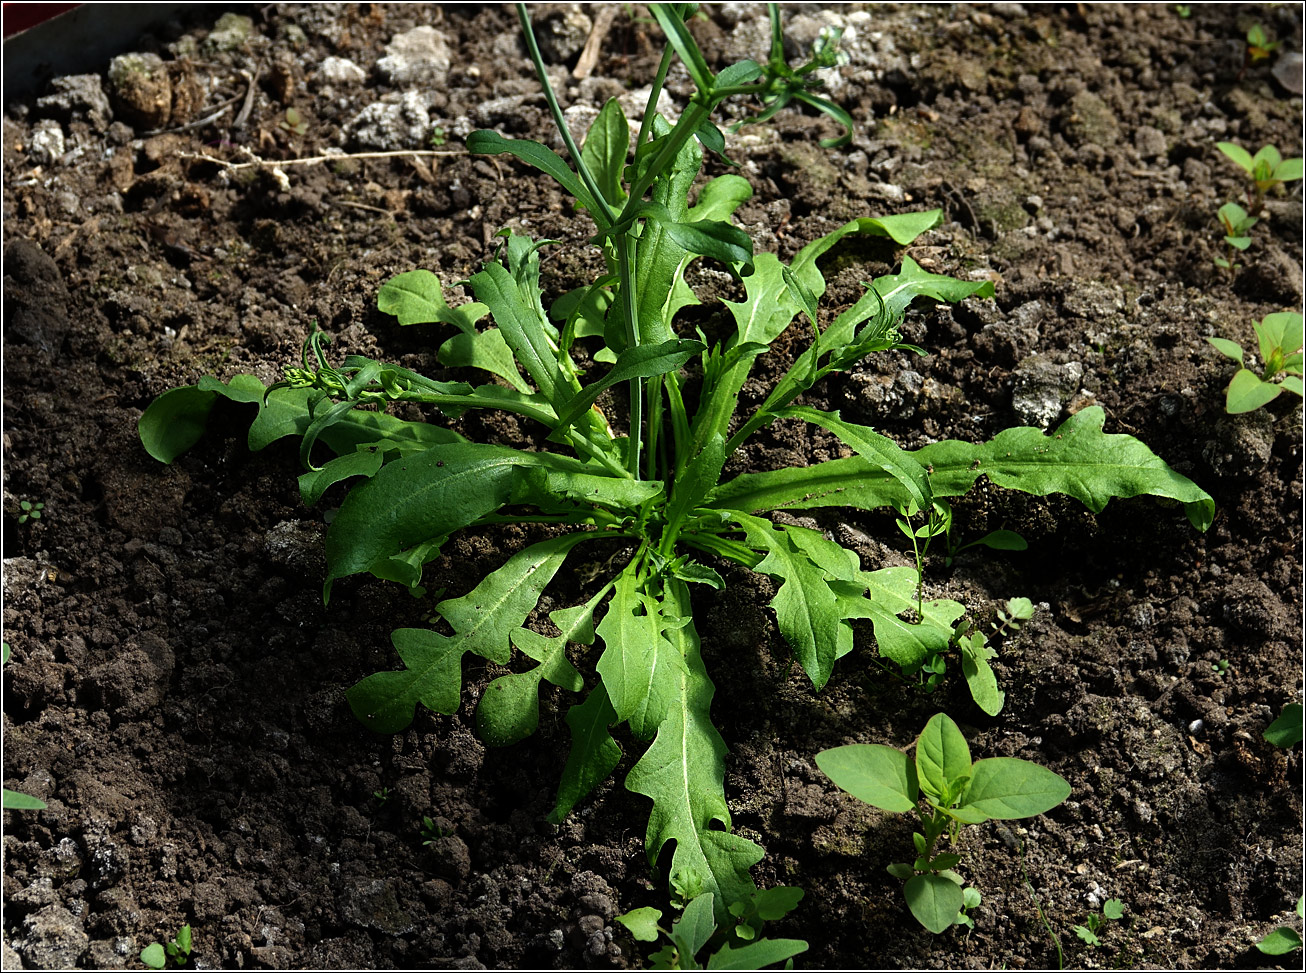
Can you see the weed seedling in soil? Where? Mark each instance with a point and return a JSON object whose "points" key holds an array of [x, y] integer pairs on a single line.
{"points": [[736, 946], [640, 476], [16, 800], [955, 792], [1111, 909], [1283, 940], [1280, 338], [432, 832], [1237, 226], [1259, 46], [157, 955], [27, 510], [1266, 169]]}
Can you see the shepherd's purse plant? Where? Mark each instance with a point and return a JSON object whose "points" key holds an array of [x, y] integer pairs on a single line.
{"points": [[640, 478]]}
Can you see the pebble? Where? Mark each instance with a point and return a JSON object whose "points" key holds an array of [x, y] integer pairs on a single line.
{"points": [[340, 70], [420, 55], [388, 126]]}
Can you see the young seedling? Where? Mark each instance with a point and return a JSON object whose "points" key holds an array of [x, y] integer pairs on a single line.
{"points": [[1286, 730], [1259, 46], [737, 946], [16, 800], [381, 795], [1283, 940], [955, 792], [157, 955], [432, 832], [27, 510], [1111, 909], [1280, 338], [1266, 169], [1236, 225], [643, 477]]}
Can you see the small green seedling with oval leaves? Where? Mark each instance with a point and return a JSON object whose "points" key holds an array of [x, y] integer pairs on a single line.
{"points": [[736, 946], [1237, 226], [1259, 46], [29, 510], [955, 792], [1111, 909], [1266, 169], [1280, 337], [157, 955]]}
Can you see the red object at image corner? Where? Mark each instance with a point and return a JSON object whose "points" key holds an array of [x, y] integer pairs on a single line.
{"points": [[19, 17]]}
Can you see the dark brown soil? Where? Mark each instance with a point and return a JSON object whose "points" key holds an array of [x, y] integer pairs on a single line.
{"points": [[176, 692]]}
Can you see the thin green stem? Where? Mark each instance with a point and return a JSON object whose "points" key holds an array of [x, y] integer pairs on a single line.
{"points": [[654, 94], [533, 48]]}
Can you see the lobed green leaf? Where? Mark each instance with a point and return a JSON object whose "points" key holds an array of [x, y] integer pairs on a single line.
{"points": [[593, 754], [417, 297], [683, 772]]}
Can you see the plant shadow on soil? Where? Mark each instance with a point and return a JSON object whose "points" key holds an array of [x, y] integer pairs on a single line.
{"points": [[176, 692]]}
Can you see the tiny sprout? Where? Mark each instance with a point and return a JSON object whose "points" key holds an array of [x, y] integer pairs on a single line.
{"points": [[1259, 45], [1221, 667], [1111, 909], [157, 955], [1236, 225], [432, 832], [29, 511], [294, 122], [1266, 169], [382, 795], [437, 137]]}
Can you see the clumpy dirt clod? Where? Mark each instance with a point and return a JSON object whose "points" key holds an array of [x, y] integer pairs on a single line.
{"points": [[176, 689]]}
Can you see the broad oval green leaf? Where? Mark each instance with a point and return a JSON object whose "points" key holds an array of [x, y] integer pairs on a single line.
{"points": [[174, 422], [942, 757], [154, 957], [695, 926], [1006, 788], [1247, 392], [980, 679], [18, 801], [1279, 942], [716, 239], [935, 901], [1240, 156], [1286, 730], [874, 774]]}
